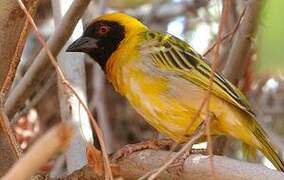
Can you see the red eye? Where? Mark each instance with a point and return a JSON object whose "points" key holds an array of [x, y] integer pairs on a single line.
{"points": [[103, 30]]}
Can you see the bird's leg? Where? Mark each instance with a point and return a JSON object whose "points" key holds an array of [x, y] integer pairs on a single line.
{"points": [[150, 144]]}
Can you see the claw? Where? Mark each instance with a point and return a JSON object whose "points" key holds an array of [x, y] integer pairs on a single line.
{"points": [[151, 144]]}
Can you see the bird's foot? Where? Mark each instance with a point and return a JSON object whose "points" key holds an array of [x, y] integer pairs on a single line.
{"points": [[199, 151], [150, 144], [176, 168]]}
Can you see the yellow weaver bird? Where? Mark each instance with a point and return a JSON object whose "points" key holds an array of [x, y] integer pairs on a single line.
{"points": [[166, 80]]}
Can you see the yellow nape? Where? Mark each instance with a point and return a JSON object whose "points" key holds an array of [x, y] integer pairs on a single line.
{"points": [[130, 23]]}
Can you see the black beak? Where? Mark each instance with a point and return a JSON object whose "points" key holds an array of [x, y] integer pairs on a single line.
{"points": [[83, 44]]}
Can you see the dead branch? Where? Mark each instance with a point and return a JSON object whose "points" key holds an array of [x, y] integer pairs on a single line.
{"points": [[41, 64], [242, 42], [53, 142]]}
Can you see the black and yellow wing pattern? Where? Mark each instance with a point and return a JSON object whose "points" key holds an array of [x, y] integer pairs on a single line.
{"points": [[174, 54]]}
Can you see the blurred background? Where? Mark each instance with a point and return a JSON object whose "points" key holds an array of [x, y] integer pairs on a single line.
{"points": [[195, 21]]}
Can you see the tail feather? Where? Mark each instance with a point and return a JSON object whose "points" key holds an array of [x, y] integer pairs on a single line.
{"points": [[249, 152], [266, 148]]}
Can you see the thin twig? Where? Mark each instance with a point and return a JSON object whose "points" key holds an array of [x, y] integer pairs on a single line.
{"points": [[108, 174], [212, 75], [178, 154], [229, 34]]}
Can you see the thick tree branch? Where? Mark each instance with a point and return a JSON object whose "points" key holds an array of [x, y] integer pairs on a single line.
{"points": [[140, 163], [195, 167]]}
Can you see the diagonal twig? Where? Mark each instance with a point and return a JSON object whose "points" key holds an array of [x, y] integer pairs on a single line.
{"points": [[194, 138], [229, 34], [107, 168]]}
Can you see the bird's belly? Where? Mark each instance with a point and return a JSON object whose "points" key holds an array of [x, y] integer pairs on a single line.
{"points": [[164, 109]]}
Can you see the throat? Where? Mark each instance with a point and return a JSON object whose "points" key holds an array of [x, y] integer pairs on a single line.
{"points": [[101, 59]]}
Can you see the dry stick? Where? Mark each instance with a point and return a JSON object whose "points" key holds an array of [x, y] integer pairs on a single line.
{"points": [[212, 74], [229, 34], [53, 142], [108, 174]]}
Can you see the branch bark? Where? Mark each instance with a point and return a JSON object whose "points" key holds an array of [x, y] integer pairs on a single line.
{"points": [[41, 64], [13, 33]]}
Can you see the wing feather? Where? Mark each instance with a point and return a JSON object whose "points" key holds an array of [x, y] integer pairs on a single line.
{"points": [[174, 54]]}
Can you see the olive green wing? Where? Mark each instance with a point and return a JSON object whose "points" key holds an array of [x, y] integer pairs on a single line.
{"points": [[171, 53]]}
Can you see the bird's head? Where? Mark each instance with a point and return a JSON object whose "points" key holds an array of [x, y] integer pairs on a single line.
{"points": [[104, 35]]}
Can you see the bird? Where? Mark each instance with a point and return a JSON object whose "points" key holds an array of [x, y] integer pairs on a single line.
{"points": [[166, 80]]}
